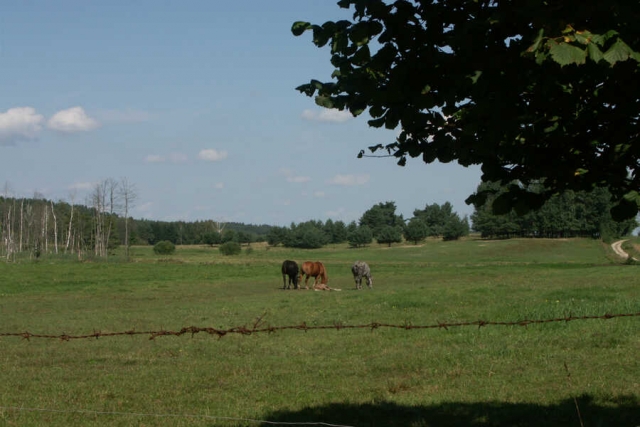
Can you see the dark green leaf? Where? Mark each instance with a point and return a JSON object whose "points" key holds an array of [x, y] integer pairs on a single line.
{"points": [[324, 101], [600, 39], [359, 34], [565, 54], [583, 37], [620, 51], [502, 204], [474, 78], [536, 43], [300, 27], [362, 56], [376, 123], [321, 36], [594, 52], [308, 89], [625, 209]]}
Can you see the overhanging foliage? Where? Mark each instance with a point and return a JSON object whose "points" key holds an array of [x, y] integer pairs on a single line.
{"points": [[529, 90]]}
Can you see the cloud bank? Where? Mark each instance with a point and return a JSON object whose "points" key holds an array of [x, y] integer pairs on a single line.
{"points": [[19, 124], [327, 115], [72, 120], [349, 180], [212, 155]]}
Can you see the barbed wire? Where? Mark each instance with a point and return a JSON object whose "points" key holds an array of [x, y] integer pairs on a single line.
{"points": [[260, 327]]}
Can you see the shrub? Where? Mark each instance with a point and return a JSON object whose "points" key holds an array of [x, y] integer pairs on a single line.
{"points": [[361, 236], [389, 234], [230, 248], [164, 247]]}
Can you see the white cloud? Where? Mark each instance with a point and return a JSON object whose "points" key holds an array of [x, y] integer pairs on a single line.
{"points": [[212, 155], [219, 185], [327, 115], [19, 123], [349, 180], [154, 158], [318, 194], [72, 120]]}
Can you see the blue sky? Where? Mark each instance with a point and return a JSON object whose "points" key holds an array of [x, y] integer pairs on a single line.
{"points": [[194, 103]]}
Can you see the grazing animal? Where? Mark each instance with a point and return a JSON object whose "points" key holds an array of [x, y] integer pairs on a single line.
{"points": [[361, 269], [290, 268], [316, 270]]}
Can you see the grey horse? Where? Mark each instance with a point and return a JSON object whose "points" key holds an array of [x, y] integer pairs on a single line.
{"points": [[361, 269]]}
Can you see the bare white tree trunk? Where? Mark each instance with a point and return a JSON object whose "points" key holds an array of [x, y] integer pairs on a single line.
{"points": [[220, 224], [7, 235], [55, 228], [112, 187], [104, 196], [5, 224], [97, 200], [66, 248], [129, 195], [21, 222]]}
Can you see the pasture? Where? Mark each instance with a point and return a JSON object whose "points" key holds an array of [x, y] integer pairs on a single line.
{"points": [[555, 374]]}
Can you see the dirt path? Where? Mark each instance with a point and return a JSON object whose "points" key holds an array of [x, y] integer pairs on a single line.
{"points": [[617, 248]]}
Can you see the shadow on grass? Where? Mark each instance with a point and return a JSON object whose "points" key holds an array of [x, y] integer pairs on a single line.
{"points": [[622, 411]]}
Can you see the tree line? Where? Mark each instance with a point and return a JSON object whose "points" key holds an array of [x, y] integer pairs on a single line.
{"points": [[379, 223], [569, 214], [35, 226]]}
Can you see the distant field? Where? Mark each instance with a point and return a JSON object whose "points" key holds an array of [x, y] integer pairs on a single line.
{"points": [[490, 376]]}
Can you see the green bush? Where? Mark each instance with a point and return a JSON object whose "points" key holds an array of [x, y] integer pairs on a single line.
{"points": [[361, 236], [164, 247], [230, 248]]}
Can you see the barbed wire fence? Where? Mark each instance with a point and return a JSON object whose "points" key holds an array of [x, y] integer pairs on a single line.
{"points": [[259, 326]]}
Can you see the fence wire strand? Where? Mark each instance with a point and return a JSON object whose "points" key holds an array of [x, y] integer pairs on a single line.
{"points": [[260, 327]]}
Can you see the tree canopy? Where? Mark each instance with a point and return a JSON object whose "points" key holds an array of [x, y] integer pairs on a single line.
{"points": [[531, 91], [381, 215], [568, 214]]}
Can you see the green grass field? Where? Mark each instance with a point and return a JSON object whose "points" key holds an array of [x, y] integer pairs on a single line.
{"points": [[555, 374]]}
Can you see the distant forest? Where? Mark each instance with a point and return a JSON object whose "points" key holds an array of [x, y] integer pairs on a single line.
{"points": [[38, 226]]}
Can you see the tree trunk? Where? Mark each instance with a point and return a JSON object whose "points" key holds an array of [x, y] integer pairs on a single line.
{"points": [[55, 228], [66, 249]]}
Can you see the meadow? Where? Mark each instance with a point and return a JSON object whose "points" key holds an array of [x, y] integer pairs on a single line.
{"points": [[583, 372]]}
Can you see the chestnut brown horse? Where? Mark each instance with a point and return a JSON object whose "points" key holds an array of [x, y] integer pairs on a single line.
{"points": [[316, 270]]}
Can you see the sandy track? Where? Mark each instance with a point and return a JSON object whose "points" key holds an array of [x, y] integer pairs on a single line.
{"points": [[617, 248]]}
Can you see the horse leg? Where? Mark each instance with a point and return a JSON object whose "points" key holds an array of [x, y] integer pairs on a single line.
{"points": [[284, 281]]}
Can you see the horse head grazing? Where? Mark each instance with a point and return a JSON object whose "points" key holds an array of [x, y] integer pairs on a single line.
{"points": [[313, 269], [361, 269], [290, 269]]}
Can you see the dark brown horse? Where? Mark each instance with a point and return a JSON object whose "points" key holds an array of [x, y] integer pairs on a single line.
{"points": [[316, 270], [290, 268]]}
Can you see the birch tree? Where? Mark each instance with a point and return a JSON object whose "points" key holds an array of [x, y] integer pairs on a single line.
{"points": [[128, 194]]}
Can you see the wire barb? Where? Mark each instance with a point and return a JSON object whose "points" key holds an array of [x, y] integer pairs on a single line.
{"points": [[259, 326]]}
